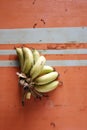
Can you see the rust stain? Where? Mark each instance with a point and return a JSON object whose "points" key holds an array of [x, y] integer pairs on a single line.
{"points": [[60, 105], [34, 26], [53, 124], [64, 46], [49, 46], [43, 21], [65, 71], [34, 2], [66, 10]]}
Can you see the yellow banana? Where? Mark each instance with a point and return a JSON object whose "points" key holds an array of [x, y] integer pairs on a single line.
{"points": [[46, 69], [28, 95], [28, 60], [47, 78], [37, 68], [36, 55], [20, 56], [35, 78], [47, 87]]}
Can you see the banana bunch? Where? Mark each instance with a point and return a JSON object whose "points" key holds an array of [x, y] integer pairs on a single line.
{"points": [[36, 78]]}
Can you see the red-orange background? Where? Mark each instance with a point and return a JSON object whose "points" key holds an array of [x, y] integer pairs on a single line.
{"points": [[66, 107]]}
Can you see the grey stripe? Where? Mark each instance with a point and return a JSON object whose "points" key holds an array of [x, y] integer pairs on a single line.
{"points": [[65, 51], [44, 35], [61, 63]]}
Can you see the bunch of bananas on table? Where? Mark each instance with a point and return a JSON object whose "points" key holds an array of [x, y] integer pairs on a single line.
{"points": [[36, 78]]}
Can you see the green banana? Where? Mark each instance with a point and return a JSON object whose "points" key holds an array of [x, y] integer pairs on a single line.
{"points": [[36, 55], [20, 56], [46, 69], [47, 78], [47, 87], [28, 60], [37, 68]]}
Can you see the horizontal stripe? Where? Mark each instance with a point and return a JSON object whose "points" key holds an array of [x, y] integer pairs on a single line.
{"points": [[51, 57], [46, 46], [13, 63], [67, 51], [64, 51], [44, 35]]}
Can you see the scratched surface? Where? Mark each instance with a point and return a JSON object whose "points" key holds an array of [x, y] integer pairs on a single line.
{"points": [[66, 107]]}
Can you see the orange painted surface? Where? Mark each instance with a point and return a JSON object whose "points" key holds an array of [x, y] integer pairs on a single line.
{"points": [[66, 107], [38, 13]]}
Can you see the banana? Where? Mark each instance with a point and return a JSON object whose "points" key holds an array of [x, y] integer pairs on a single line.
{"points": [[35, 78], [28, 62], [37, 68], [28, 95], [46, 69], [47, 87], [36, 55], [20, 56], [47, 78]]}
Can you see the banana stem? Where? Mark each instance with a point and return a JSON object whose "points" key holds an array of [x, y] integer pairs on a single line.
{"points": [[38, 95], [23, 98]]}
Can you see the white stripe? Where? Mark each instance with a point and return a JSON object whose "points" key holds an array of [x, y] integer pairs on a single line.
{"points": [[44, 35], [65, 51], [61, 63]]}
